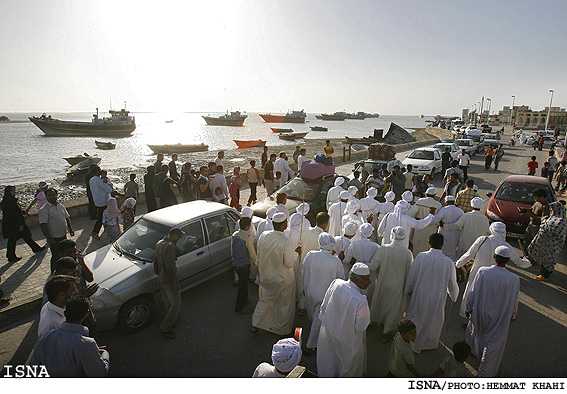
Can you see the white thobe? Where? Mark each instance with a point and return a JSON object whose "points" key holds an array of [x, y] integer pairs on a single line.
{"points": [[492, 303], [431, 276], [335, 218], [296, 240], [420, 237], [350, 217], [483, 254], [471, 226], [282, 208], [381, 210], [392, 262], [282, 166], [373, 206], [275, 310], [264, 225], [333, 195], [362, 251], [320, 268], [266, 370], [390, 221], [310, 241], [449, 214], [341, 245], [341, 349]]}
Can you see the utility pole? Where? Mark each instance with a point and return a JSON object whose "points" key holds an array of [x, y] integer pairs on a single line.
{"points": [[512, 111], [548, 110]]}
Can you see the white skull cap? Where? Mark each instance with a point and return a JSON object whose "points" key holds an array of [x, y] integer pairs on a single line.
{"points": [[399, 233], [431, 191], [450, 198], [279, 217], [407, 196], [339, 181], [476, 202], [372, 192], [271, 212], [360, 269], [503, 251], [344, 195], [247, 212], [303, 208], [390, 196]]}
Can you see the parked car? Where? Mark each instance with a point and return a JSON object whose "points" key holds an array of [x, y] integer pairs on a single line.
{"points": [[492, 136], [425, 161], [454, 149], [485, 128], [125, 272], [478, 141], [550, 141], [467, 145], [513, 193]]}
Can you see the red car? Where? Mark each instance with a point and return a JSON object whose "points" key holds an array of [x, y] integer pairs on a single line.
{"points": [[515, 192]]}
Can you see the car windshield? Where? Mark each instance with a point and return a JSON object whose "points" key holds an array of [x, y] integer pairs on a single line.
{"points": [[421, 154], [298, 189], [442, 146], [520, 192], [475, 138], [139, 241], [463, 142]]}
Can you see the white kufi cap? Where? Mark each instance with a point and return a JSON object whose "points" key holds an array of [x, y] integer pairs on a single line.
{"points": [[350, 228], [351, 207], [399, 233], [303, 208], [286, 354], [407, 196], [449, 198], [476, 202], [503, 251], [247, 212], [390, 196], [339, 181], [431, 191], [344, 195], [365, 230], [279, 217], [271, 212], [326, 241], [360, 269], [372, 192]]}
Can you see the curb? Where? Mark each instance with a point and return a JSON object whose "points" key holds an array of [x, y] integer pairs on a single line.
{"points": [[7, 316]]}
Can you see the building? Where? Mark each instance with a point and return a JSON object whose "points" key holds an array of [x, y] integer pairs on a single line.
{"points": [[526, 118]]}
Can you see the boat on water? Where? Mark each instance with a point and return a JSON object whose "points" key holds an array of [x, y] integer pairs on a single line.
{"points": [[77, 159], [119, 124], [292, 136], [276, 130], [290, 117], [249, 144], [374, 115], [359, 115], [81, 169], [336, 116], [422, 116], [105, 145], [229, 119], [178, 148], [318, 128]]}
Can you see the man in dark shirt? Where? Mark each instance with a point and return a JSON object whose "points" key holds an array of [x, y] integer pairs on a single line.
{"points": [[203, 184], [264, 158], [173, 168], [158, 181], [269, 174], [446, 160], [92, 206], [158, 162]]}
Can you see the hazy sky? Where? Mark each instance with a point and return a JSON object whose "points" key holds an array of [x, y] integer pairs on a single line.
{"points": [[391, 57]]}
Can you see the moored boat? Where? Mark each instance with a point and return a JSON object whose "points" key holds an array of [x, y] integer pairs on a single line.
{"points": [[105, 145], [276, 130], [77, 159], [336, 116], [178, 148], [249, 144], [359, 115], [232, 119], [290, 117], [318, 128], [292, 136], [81, 169], [119, 124]]}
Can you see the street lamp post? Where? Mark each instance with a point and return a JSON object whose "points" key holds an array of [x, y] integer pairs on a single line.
{"points": [[489, 106], [512, 111], [548, 110]]}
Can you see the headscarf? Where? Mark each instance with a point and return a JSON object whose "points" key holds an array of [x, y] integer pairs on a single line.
{"points": [[130, 202], [247, 212], [476, 203], [351, 207], [407, 196], [390, 196], [271, 212], [350, 228], [344, 195], [401, 208], [398, 233], [339, 181], [286, 354], [365, 230], [548, 242], [558, 209], [302, 208], [352, 190], [112, 208], [498, 229], [326, 241], [42, 187], [372, 192], [235, 178], [294, 225], [7, 195]]}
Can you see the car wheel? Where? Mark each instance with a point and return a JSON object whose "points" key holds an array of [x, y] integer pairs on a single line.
{"points": [[136, 314]]}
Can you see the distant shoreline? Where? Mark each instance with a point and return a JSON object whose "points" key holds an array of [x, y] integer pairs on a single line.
{"points": [[13, 121]]}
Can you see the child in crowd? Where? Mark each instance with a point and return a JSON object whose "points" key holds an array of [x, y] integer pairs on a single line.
{"points": [[128, 211], [402, 357], [277, 181], [131, 188], [545, 170], [218, 197], [532, 165], [454, 367], [111, 220], [39, 197]]}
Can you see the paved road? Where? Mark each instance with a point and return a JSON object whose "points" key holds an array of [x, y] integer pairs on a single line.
{"points": [[214, 342]]}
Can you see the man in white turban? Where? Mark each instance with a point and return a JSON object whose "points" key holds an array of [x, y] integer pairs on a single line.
{"points": [[353, 190], [449, 214], [343, 242], [320, 268], [492, 305], [369, 205], [303, 209], [481, 253], [310, 239], [422, 208], [266, 224], [275, 310], [407, 196], [341, 349], [431, 276], [399, 218], [471, 225], [334, 192], [362, 251], [295, 235], [392, 262], [248, 212], [336, 214], [351, 214], [286, 355]]}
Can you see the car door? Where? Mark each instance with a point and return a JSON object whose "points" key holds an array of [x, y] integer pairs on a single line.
{"points": [[193, 256], [438, 163], [219, 228]]}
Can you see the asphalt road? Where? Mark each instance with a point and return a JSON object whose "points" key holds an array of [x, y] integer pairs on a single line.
{"points": [[214, 342]]}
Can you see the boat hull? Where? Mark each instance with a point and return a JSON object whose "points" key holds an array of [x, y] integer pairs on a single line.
{"points": [[211, 121], [78, 129], [105, 145], [330, 117], [81, 169], [292, 136], [268, 118], [276, 130], [170, 149], [318, 128], [249, 144]]}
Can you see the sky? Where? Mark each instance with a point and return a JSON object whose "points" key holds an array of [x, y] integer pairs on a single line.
{"points": [[392, 57]]}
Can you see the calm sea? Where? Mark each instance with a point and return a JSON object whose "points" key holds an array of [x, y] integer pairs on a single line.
{"points": [[27, 155]]}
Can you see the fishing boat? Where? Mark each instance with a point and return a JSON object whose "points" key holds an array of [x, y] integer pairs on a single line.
{"points": [[178, 148], [336, 116], [276, 130], [232, 119], [359, 115], [119, 124], [290, 117], [249, 144], [292, 136], [81, 169], [79, 158], [318, 128], [105, 145]]}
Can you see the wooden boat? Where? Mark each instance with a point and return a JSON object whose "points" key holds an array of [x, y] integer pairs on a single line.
{"points": [[318, 128], [276, 130], [105, 145], [178, 148], [78, 158], [292, 136], [249, 144], [81, 169]]}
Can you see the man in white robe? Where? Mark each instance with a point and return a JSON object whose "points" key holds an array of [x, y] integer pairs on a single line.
{"points": [[311, 236], [275, 310], [334, 193], [382, 209], [481, 251], [336, 214], [407, 196], [286, 355], [449, 214], [265, 224], [282, 166], [420, 210], [362, 251], [369, 205], [353, 190], [492, 305], [399, 218], [430, 277], [471, 225], [247, 212], [342, 244], [344, 315], [392, 262], [320, 268], [293, 232]]}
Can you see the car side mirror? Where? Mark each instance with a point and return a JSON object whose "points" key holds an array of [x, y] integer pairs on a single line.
{"points": [[407, 155], [489, 194]]}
